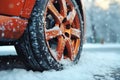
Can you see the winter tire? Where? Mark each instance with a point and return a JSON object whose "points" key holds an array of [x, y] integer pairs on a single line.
{"points": [[54, 35]]}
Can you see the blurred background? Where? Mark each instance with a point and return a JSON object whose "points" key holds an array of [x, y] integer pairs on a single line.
{"points": [[102, 21], [97, 62]]}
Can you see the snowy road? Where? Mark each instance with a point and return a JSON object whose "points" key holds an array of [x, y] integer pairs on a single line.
{"points": [[101, 63]]}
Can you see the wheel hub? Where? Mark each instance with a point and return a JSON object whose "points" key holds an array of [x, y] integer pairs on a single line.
{"points": [[66, 30]]}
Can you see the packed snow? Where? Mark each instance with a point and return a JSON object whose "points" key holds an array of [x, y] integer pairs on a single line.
{"points": [[93, 65], [7, 50]]}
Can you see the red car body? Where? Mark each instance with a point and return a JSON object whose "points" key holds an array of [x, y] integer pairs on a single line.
{"points": [[63, 27], [17, 12], [14, 15]]}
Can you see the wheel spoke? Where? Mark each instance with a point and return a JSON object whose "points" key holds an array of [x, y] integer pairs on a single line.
{"points": [[73, 43], [77, 44], [64, 37], [71, 16], [55, 12], [60, 47], [63, 7], [70, 48], [75, 32], [52, 33]]}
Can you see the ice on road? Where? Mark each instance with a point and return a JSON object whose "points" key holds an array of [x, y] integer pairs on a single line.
{"points": [[93, 65]]}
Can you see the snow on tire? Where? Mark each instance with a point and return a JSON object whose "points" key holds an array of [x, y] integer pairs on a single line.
{"points": [[54, 35]]}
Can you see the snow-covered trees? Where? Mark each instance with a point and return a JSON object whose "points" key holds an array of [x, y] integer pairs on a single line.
{"points": [[103, 20]]}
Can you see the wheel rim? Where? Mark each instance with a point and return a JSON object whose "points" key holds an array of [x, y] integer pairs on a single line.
{"points": [[62, 29]]}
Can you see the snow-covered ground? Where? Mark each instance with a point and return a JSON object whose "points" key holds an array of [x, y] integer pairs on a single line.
{"points": [[97, 62], [7, 50]]}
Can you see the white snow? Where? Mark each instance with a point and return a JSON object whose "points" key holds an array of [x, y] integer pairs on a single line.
{"points": [[7, 50], [10, 50], [102, 47], [3, 34], [106, 45], [91, 63]]}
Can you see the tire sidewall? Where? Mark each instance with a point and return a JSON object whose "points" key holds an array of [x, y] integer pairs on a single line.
{"points": [[37, 25], [40, 9], [33, 42]]}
